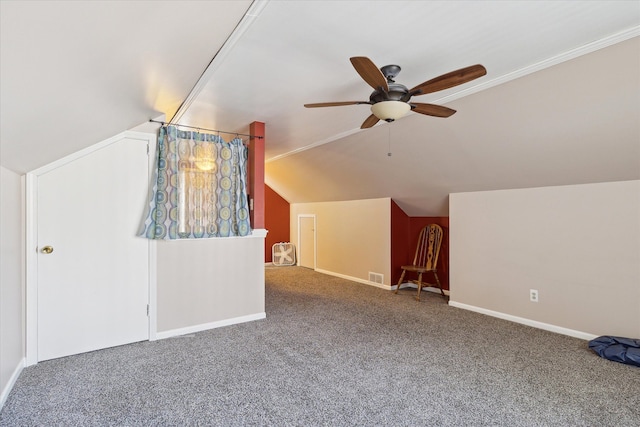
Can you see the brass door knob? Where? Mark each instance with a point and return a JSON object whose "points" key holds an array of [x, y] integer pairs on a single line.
{"points": [[47, 249]]}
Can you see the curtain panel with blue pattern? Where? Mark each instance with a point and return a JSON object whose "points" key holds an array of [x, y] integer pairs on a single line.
{"points": [[199, 189]]}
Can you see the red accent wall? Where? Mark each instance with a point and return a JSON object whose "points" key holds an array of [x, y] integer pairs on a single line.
{"points": [[404, 235], [401, 253], [404, 238], [256, 174], [276, 219]]}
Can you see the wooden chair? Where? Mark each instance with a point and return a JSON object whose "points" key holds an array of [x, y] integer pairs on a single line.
{"points": [[426, 257]]}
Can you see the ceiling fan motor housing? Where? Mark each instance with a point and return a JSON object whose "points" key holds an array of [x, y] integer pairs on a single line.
{"points": [[397, 92], [390, 100]]}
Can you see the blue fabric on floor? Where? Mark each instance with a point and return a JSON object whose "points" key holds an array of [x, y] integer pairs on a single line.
{"points": [[618, 349]]}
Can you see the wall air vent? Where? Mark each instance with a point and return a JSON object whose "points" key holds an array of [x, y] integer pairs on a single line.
{"points": [[376, 278]]}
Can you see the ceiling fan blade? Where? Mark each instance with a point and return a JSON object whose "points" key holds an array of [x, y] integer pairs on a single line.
{"points": [[446, 81], [369, 72], [431, 109], [334, 104], [369, 122]]}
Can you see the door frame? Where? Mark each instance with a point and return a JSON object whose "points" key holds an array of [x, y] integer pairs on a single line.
{"points": [[31, 240], [315, 240]]}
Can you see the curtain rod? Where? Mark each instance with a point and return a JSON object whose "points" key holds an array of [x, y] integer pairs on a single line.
{"points": [[210, 130]]}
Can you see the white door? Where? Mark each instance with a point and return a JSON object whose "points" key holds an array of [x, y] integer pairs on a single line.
{"points": [[307, 241], [93, 288]]}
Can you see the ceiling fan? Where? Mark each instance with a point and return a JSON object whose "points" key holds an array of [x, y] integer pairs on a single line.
{"points": [[390, 100]]}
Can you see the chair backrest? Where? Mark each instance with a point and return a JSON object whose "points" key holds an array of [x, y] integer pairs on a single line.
{"points": [[428, 247]]}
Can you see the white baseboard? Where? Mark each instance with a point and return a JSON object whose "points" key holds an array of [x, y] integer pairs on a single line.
{"points": [[212, 325], [14, 377], [378, 285], [524, 321], [353, 279], [414, 286]]}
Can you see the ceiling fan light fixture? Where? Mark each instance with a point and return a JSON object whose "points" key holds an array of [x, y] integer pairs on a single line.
{"points": [[390, 110]]}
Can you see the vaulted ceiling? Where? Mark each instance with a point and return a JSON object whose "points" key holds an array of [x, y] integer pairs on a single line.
{"points": [[560, 103]]}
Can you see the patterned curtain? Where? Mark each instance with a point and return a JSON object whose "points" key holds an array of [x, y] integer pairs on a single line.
{"points": [[200, 187]]}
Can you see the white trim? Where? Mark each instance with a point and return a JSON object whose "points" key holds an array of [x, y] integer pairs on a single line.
{"points": [[378, 285], [153, 293], [433, 289], [12, 381], [315, 240], [353, 279], [153, 247], [356, 279], [142, 136], [524, 321], [211, 325], [314, 145], [257, 233], [31, 270], [550, 62], [249, 17], [31, 241]]}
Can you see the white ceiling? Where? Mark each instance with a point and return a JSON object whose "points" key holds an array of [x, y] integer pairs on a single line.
{"points": [[73, 73], [560, 103]]}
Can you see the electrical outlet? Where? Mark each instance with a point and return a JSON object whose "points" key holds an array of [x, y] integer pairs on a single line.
{"points": [[533, 295]]}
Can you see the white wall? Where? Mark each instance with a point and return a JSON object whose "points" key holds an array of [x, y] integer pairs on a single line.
{"points": [[200, 284], [353, 238], [578, 245], [195, 284], [11, 281], [208, 283]]}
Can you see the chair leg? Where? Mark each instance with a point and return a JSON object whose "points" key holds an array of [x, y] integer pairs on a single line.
{"points": [[419, 285], [438, 283], [400, 281]]}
